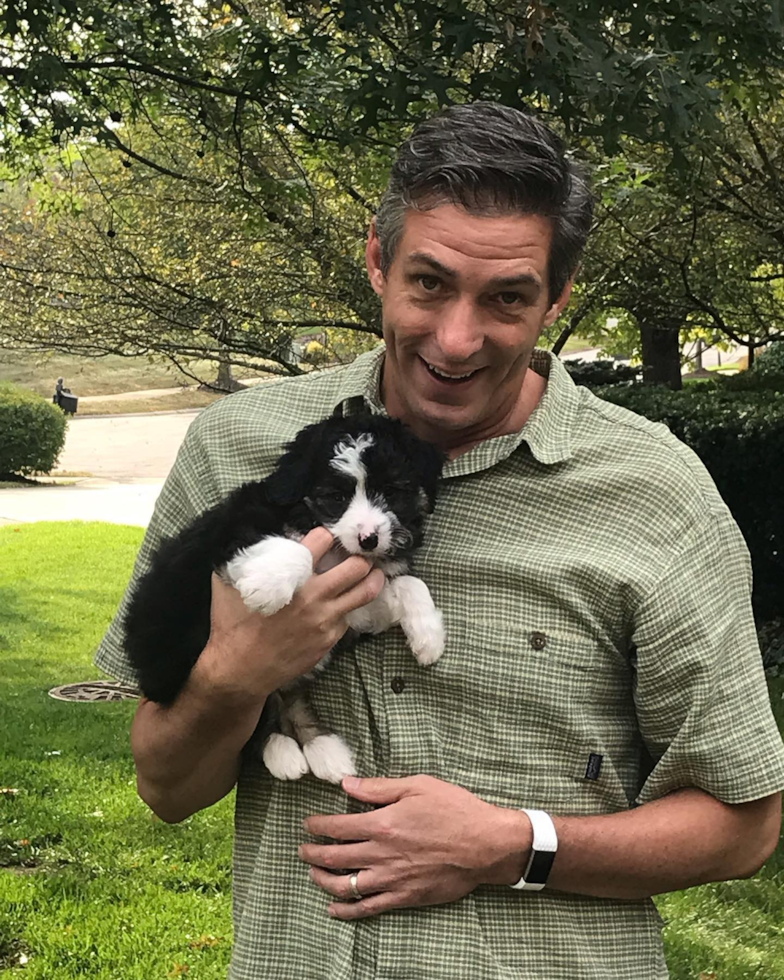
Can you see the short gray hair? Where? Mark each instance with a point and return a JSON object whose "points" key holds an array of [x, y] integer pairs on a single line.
{"points": [[490, 159]]}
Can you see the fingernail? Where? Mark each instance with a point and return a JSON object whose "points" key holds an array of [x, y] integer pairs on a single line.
{"points": [[350, 783]]}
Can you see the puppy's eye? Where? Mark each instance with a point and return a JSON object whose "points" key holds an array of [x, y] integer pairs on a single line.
{"points": [[334, 496], [393, 489]]}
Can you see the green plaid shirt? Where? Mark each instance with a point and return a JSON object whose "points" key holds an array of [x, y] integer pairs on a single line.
{"points": [[601, 653]]}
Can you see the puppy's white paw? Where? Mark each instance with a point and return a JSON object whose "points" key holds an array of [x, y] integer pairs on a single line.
{"points": [[428, 639], [284, 758], [329, 758], [269, 573]]}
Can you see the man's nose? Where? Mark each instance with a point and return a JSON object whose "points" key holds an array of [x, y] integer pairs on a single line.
{"points": [[459, 333]]}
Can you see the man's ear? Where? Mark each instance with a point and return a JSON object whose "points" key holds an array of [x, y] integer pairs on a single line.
{"points": [[373, 259], [559, 305]]}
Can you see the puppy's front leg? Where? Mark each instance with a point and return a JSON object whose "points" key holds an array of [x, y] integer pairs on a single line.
{"points": [[267, 574], [422, 623]]}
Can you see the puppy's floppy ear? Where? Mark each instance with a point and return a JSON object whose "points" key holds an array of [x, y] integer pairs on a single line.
{"points": [[292, 478], [427, 461]]}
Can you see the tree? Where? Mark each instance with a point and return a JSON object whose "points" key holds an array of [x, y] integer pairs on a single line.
{"points": [[297, 107]]}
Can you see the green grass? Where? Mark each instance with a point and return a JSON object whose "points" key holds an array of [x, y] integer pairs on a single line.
{"points": [[92, 885], [110, 375]]}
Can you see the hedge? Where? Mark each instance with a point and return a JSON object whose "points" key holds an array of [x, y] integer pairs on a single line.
{"points": [[738, 433], [32, 431]]}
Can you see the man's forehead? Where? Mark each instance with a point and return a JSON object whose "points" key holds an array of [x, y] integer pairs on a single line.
{"points": [[509, 248]]}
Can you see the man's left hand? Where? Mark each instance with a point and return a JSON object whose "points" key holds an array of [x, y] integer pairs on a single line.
{"points": [[428, 843]]}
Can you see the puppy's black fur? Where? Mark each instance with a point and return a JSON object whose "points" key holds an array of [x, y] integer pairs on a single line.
{"points": [[167, 624]]}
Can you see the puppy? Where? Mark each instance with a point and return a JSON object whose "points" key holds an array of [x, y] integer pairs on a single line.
{"points": [[371, 482]]}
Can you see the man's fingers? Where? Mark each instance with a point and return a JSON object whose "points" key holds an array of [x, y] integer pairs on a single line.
{"points": [[318, 542], [361, 594]]}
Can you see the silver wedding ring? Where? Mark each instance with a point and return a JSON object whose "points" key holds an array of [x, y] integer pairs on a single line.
{"points": [[355, 892]]}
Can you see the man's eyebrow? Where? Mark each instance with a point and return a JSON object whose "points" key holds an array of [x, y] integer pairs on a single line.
{"points": [[498, 282]]}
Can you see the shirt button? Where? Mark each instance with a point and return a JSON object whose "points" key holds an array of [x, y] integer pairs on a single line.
{"points": [[538, 641], [398, 684]]}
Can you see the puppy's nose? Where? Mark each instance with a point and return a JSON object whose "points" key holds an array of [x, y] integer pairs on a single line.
{"points": [[368, 542]]}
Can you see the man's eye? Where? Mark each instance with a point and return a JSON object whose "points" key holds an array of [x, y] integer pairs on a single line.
{"points": [[509, 299], [429, 283]]}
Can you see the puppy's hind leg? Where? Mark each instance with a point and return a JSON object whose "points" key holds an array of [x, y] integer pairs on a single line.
{"points": [[281, 753], [328, 756]]}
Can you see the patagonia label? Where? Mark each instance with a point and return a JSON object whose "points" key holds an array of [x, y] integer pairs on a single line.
{"points": [[594, 766]]}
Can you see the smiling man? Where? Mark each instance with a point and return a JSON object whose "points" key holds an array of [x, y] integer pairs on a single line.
{"points": [[598, 730]]}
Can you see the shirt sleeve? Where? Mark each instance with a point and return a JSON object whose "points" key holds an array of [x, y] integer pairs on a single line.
{"points": [[189, 489], [700, 691]]}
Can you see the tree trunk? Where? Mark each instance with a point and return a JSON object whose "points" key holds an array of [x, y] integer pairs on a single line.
{"points": [[661, 355]]}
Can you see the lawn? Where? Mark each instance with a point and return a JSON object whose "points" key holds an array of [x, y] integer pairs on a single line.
{"points": [[92, 885]]}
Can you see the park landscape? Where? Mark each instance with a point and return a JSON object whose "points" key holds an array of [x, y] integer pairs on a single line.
{"points": [[185, 193]]}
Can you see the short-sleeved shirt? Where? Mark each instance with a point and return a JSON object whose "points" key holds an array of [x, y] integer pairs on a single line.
{"points": [[601, 653]]}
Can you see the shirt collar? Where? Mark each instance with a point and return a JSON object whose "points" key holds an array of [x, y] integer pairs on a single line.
{"points": [[548, 432]]}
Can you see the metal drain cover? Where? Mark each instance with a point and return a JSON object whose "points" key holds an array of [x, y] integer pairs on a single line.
{"points": [[95, 691]]}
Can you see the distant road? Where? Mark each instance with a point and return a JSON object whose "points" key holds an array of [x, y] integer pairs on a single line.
{"points": [[124, 447]]}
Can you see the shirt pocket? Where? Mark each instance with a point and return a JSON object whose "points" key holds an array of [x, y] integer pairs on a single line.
{"points": [[534, 712]]}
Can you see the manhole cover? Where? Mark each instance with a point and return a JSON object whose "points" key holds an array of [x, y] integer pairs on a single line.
{"points": [[95, 691]]}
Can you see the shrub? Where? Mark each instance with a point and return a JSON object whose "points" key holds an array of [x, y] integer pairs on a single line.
{"points": [[595, 373], [770, 361], [739, 436], [32, 431]]}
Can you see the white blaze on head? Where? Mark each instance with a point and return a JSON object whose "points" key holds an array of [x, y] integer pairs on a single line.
{"points": [[361, 519], [348, 457]]}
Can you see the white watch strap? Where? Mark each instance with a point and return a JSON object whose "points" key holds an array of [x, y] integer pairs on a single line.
{"points": [[543, 848]]}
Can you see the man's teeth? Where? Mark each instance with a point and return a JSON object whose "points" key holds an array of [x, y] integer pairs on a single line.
{"points": [[452, 377]]}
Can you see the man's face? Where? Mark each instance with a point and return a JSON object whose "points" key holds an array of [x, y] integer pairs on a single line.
{"points": [[466, 296]]}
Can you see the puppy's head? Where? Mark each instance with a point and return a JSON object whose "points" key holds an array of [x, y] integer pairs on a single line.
{"points": [[368, 479]]}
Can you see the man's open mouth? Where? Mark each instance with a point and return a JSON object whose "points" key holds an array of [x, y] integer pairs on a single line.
{"points": [[447, 377]]}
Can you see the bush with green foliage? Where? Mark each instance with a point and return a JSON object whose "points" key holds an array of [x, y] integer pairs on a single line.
{"points": [[770, 361], [601, 372], [739, 436], [32, 431]]}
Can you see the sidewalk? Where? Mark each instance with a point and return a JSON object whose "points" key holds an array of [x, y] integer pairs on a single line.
{"points": [[118, 465], [88, 500]]}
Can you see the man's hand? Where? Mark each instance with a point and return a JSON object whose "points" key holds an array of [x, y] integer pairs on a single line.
{"points": [[430, 842], [249, 656]]}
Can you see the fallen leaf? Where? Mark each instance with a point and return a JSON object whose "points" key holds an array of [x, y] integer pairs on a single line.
{"points": [[205, 942], [8, 791], [178, 970]]}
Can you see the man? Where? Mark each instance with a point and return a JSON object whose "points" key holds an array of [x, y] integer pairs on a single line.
{"points": [[601, 663]]}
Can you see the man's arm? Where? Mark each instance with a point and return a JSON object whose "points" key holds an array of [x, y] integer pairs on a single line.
{"points": [[431, 842], [187, 755], [686, 838]]}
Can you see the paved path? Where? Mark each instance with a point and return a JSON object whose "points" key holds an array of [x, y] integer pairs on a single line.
{"points": [[90, 500], [127, 458], [124, 447]]}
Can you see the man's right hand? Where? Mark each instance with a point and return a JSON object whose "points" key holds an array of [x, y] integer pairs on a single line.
{"points": [[248, 656]]}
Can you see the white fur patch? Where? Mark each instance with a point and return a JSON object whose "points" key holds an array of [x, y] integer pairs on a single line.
{"points": [[348, 457], [267, 574], [422, 623], [329, 758], [361, 519], [284, 758]]}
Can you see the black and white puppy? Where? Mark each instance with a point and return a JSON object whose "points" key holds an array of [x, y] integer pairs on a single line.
{"points": [[371, 482]]}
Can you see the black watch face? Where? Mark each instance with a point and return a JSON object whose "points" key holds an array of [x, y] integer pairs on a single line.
{"points": [[539, 869]]}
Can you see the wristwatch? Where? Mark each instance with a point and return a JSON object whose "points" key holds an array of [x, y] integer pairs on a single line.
{"points": [[543, 849]]}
